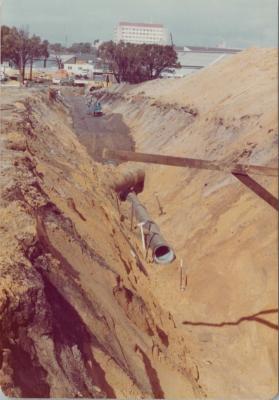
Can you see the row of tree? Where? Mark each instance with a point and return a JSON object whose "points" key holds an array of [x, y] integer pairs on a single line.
{"points": [[136, 63], [75, 48], [129, 62], [21, 48]]}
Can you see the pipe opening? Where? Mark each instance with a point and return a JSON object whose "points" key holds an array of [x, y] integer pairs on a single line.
{"points": [[163, 255]]}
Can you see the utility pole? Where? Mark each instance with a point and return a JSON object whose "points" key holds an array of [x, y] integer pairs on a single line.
{"points": [[172, 44]]}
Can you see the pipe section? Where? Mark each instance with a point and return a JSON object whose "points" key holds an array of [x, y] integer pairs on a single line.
{"points": [[161, 250], [132, 181]]}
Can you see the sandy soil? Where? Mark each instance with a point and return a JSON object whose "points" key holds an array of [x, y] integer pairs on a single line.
{"points": [[225, 236], [83, 313], [77, 316]]}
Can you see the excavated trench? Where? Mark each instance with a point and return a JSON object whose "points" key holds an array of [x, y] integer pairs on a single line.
{"points": [[215, 224], [77, 315], [99, 132], [84, 312]]}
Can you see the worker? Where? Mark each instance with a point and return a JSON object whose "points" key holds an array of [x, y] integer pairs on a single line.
{"points": [[107, 79], [90, 104], [59, 95]]}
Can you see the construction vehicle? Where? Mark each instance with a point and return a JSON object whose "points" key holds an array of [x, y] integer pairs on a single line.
{"points": [[97, 109]]}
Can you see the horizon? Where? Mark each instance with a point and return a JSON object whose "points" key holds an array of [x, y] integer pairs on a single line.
{"points": [[207, 23]]}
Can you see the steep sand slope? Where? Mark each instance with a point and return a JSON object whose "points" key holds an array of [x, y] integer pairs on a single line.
{"points": [[78, 318], [225, 234], [82, 313]]}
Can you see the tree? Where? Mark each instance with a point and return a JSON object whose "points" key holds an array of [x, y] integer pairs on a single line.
{"points": [[19, 48], [19, 44], [37, 49], [117, 58], [81, 48], [45, 51], [58, 49], [136, 63], [107, 52], [157, 58], [5, 45]]}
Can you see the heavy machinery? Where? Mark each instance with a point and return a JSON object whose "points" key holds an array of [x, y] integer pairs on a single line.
{"points": [[97, 109]]}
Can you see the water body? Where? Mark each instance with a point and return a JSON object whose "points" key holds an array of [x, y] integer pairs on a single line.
{"points": [[51, 65]]}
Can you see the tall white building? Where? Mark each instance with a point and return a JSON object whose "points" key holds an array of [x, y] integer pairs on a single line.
{"points": [[139, 33]]}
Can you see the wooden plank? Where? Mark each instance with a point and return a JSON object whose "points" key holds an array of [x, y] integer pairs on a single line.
{"points": [[241, 169], [258, 189]]}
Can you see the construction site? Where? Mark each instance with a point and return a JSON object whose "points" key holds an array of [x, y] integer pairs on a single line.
{"points": [[139, 246]]}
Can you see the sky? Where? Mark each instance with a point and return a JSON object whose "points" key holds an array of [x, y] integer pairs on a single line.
{"points": [[238, 23]]}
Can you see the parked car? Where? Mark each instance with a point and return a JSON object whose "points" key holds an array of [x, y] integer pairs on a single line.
{"points": [[39, 79], [67, 81], [56, 81], [80, 82]]}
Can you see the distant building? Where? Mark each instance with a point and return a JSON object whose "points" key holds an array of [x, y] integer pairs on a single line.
{"points": [[80, 65], [140, 33], [85, 65], [194, 58]]}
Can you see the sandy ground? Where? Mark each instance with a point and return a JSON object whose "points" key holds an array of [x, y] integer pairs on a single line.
{"points": [[83, 313], [77, 316], [224, 235]]}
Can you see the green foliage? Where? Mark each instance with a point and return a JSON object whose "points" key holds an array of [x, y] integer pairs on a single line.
{"points": [[136, 63], [81, 48], [57, 48], [18, 47], [5, 42]]}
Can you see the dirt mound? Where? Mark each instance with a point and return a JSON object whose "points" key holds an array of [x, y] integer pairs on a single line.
{"points": [[224, 235], [78, 318], [83, 312]]}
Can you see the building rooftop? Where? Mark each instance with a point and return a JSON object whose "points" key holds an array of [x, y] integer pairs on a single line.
{"points": [[191, 59], [204, 49], [141, 24], [79, 58]]}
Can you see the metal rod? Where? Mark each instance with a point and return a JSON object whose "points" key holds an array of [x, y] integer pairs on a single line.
{"points": [[132, 217]]}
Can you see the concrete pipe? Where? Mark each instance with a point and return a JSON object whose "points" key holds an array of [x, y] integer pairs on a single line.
{"points": [[131, 181], [161, 250]]}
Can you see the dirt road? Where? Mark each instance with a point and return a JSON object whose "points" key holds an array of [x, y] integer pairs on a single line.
{"points": [[96, 133]]}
